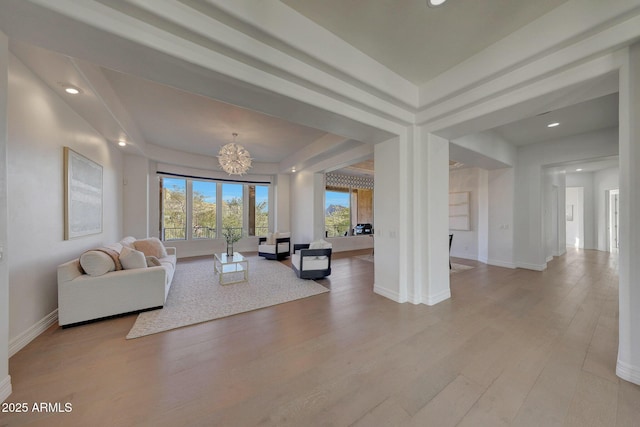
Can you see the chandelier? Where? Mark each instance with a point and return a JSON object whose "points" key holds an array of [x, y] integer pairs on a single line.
{"points": [[233, 158]]}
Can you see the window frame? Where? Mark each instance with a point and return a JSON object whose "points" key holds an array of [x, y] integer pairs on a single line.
{"points": [[189, 235]]}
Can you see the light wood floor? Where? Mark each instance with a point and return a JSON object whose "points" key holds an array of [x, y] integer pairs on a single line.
{"points": [[511, 347]]}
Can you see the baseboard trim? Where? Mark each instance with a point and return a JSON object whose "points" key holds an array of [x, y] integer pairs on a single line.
{"points": [[483, 260], [550, 258], [536, 267], [435, 299], [628, 372], [498, 263], [392, 295], [21, 341], [5, 388]]}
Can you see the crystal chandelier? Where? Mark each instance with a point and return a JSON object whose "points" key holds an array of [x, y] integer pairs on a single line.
{"points": [[233, 158]]}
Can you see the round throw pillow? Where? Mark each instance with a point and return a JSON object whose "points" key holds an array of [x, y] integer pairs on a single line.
{"points": [[96, 263]]}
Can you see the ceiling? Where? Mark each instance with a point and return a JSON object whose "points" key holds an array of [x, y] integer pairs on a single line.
{"points": [[401, 34], [588, 116], [172, 118], [420, 42]]}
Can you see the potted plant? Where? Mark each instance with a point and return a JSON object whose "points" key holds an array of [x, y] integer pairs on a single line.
{"points": [[231, 235]]}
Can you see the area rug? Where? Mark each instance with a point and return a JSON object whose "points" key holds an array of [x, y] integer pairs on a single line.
{"points": [[196, 296], [457, 268]]}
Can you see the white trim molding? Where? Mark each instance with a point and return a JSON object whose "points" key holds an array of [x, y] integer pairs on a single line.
{"points": [[536, 267], [435, 299], [392, 295], [499, 263], [5, 388], [21, 341], [628, 372]]}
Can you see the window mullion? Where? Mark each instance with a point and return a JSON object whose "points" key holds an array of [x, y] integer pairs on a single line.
{"points": [[189, 202]]}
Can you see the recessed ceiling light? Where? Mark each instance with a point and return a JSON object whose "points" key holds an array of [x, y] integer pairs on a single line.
{"points": [[552, 125], [293, 170], [71, 90], [435, 3], [122, 143], [578, 170]]}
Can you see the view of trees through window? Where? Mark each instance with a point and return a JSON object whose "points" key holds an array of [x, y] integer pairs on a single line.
{"points": [[174, 209], [204, 210], [210, 207], [232, 207], [337, 213], [261, 210]]}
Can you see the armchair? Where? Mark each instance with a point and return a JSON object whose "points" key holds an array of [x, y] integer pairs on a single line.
{"points": [[275, 246], [312, 261]]}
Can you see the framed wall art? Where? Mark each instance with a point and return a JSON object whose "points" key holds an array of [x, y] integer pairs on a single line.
{"points": [[82, 195], [459, 211]]}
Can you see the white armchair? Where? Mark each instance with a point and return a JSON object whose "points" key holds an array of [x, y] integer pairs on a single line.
{"points": [[275, 246], [312, 260]]}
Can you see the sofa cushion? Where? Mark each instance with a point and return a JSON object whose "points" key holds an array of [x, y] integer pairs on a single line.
{"points": [[151, 247], [130, 259], [153, 261], [320, 244], [96, 263], [310, 262]]}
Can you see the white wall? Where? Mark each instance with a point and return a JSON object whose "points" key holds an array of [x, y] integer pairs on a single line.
{"points": [[603, 181], [466, 244], [136, 196], [40, 125], [529, 231], [5, 379], [501, 185]]}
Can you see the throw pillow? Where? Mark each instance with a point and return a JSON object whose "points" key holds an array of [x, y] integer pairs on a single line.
{"points": [[130, 259], [320, 244], [151, 247], [96, 263], [128, 241], [153, 262], [271, 239]]}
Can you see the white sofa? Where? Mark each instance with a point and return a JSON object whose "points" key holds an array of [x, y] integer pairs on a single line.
{"points": [[83, 297]]}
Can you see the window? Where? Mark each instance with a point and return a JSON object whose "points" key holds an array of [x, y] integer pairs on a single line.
{"points": [[204, 209], [347, 204], [261, 210], [232, 204], [337, 216], [174, 209], [199, 209]]}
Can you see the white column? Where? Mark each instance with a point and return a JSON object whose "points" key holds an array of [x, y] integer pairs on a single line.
{"points": [[5, 379], [628, 366], [307, 203], [390, 214], [431, 218], [279, 199]]}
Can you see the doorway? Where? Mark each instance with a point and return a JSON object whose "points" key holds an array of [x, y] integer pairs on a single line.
{"points": [[614, 219], [574, 217]]}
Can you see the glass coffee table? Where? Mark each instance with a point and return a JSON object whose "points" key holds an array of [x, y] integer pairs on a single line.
{"points": [[231, 269]]}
